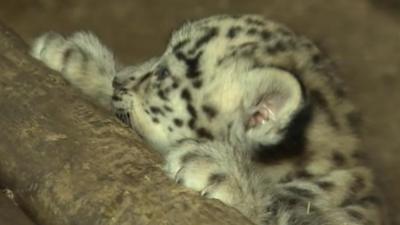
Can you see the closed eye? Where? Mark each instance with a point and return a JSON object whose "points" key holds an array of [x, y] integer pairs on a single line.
{"points": [[162, 73]]}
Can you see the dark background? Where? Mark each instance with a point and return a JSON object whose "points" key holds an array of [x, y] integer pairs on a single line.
{"points": [[362, 37]]}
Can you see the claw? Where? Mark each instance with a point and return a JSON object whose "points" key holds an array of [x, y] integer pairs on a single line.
{"points": [[178, 179]]}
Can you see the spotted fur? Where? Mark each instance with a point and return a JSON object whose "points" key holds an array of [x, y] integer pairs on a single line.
{"points": [[243, 109]]}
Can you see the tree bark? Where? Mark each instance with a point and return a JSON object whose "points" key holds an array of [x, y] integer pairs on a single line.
{"points": [[69, 162]]}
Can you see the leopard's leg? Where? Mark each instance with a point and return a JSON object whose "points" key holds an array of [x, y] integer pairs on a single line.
{"points": [[223, 172]]}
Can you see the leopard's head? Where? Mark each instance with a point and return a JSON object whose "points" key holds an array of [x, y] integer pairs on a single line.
{"points": [[209, 85]]}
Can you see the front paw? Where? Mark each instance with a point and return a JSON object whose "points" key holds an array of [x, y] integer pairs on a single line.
{"points": [[194, 169], [48, 48]]}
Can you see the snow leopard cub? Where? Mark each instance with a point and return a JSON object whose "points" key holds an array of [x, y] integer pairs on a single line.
{"points": [[243, 110]]}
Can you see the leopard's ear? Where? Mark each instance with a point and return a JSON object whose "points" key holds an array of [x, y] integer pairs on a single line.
{"points": [[279, 97]]}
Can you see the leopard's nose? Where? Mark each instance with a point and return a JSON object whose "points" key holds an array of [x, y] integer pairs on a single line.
{"points": [[116, 84]]}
